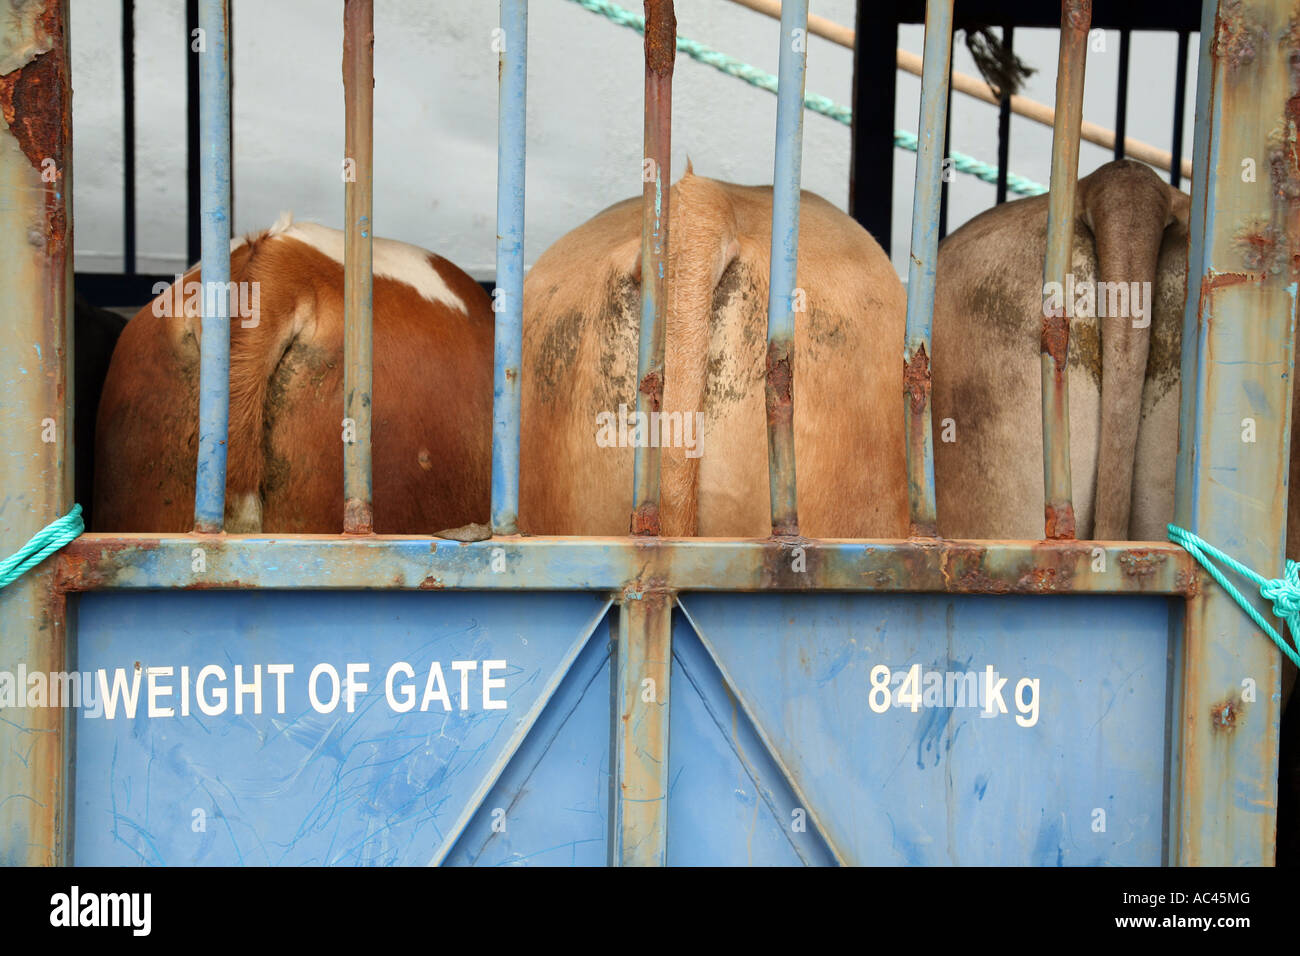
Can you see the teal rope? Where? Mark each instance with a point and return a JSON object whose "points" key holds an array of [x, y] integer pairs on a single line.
{"points": [[818, 104], [1284, 592], [45, 542]]}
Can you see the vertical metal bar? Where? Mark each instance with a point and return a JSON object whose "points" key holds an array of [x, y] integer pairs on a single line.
{"points": [[230, 85], [230, 82], [1180, 109], [1004, 126], [943, 183], [660, 54], [1058, 510], [193, 239], [935, 72], [128, 137], [511, 151], [35, 419], [786, 175], [358, 277], [871, 164], [1121, 95], [214, 181], [1237, 365], [639, 822]]}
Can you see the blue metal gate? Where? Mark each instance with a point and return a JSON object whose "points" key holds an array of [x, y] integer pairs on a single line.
{"points": [[768, 701]]}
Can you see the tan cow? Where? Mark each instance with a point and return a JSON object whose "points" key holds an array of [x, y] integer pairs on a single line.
{"points": [[432, 412], [581, 314], [1130, 227]]}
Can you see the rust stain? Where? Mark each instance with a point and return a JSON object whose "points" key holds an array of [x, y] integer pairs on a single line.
{"points": [[1263, 247], [650, 588], [660, 37], [922, 529], [1076, 15], [1221, 280], [431, 583], [36, 104], [652, 386], [645, 520], [791, 562], [1225, 714], [1284, 157], [358, 517], [76, 571], [1188, 583], [1238, 35], [780, 385], [1141, 564], [1038, 580], [977, 581], [1058, 521], [916, 379], [1056, 339]]}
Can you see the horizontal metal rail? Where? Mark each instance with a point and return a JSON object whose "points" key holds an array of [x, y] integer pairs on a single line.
{"points": [[99, 562]]}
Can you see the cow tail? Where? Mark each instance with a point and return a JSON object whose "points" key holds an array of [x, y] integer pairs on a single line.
{"points": [[1128, 208], [258, 342], [704, 244]]}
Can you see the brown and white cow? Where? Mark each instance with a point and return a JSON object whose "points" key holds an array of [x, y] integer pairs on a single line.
{"points": [[431, 420], [581, 315], [1130, 227]]}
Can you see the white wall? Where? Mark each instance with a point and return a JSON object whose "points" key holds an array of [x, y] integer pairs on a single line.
{"points": [[435, 123]]}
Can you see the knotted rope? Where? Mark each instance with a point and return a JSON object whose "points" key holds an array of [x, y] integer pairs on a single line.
{"points": [[1283, 592]]}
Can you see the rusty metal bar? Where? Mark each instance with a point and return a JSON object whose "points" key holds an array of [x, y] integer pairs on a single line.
{"points": [[358, 263], [96, 562], [660, 54], [512, 117], [783, 291], [1237, 367], [35, 416], [214, 190], [639, 803], [924, 257], [1058, 509]]}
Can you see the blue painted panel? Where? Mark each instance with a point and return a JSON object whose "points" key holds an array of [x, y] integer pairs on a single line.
{"points": [[373, 786], [945, 785], [550, 807], [728, 802]]}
